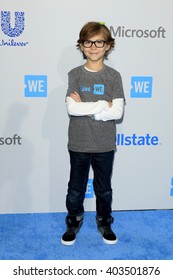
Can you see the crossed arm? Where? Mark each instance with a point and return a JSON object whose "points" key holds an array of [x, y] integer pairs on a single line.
{"points": [[102, 110]]}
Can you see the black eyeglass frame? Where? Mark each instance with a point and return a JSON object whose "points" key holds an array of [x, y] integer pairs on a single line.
{"points": [[94, 42]]}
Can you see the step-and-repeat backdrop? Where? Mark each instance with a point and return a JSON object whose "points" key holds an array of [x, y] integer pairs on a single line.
{"points": [[37, 49]]}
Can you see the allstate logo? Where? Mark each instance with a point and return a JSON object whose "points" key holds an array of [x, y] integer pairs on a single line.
{"points": [[137, 140], [16, 31]]}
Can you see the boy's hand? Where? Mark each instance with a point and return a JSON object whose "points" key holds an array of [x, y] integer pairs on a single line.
{"points": [[110, 104], [75, 96]]}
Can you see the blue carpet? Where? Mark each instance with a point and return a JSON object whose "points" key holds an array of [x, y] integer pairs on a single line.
{"points": [[143, 235]]}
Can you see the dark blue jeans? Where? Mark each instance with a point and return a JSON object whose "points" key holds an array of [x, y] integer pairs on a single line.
{"points": [[102, 164]]}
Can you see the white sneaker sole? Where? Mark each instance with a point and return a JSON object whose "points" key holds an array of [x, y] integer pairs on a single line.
{"points": [[68, 243], [110, 242]]}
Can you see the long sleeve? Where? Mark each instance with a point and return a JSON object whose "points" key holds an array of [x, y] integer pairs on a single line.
{"points": [[85, 108], [113, 113]]}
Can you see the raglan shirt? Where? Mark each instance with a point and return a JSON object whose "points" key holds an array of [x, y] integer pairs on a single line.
{"points": [[85, 133]]}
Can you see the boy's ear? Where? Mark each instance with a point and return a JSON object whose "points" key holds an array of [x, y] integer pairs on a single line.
{"points": [[81, 47], [108, 47]]}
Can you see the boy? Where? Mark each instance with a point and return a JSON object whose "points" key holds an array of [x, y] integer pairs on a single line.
{"points": [[95, 99]]}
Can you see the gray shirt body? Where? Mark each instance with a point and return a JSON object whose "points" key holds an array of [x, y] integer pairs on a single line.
{"points": [[86, 134]]}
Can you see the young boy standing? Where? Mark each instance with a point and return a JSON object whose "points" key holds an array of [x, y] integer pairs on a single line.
{"points": [[95, 99]]}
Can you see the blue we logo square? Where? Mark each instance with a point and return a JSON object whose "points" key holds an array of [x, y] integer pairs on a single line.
{"points": [[171, 191], [141, 87], [90, 190], [98, 89], [36, 85]]}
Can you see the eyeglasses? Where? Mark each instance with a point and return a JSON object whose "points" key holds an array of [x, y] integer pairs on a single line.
{"points": [[98, 43]]}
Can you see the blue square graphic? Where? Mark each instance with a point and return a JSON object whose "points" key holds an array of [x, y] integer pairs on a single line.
{"points": [[141, 87], [99, 89], [90, 190], [171, 191], [36, 85]]}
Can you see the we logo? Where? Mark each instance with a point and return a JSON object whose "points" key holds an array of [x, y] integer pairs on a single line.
{"points": [[98, 89], [171, 191], [90, 190], [141, 87], [19, 23], [36, 86]]}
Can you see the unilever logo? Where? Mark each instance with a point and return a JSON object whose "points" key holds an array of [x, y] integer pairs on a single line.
{"points": [[35, 85], [141, 87], [12, 32], [6, 25]]}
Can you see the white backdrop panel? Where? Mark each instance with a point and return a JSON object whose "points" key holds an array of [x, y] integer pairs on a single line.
{"points": [[34, 159]]}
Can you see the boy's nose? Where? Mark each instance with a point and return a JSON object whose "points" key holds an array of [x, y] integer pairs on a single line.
{"points": [[93, 46]]}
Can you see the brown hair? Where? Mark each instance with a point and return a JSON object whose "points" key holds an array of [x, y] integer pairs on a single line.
{"points": [[93, 28]]}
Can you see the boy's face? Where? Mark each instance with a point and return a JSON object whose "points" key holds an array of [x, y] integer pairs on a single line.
{"points": [[94, 53]]}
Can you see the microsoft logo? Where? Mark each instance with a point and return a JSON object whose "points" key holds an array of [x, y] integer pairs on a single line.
{"points": [[15, 140], [125, 32]]}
